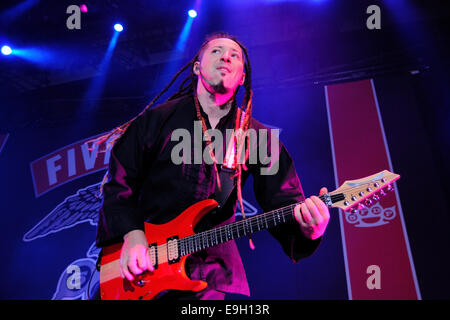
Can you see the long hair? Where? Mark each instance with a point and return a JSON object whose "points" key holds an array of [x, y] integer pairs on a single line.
{"points": [[188, 87]]}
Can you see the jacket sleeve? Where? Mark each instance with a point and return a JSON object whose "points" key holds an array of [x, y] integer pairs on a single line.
{"points": [[281, 188], [120, 212]]}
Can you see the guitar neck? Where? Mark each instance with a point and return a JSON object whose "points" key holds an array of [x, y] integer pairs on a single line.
{"points": [[244, 227]]}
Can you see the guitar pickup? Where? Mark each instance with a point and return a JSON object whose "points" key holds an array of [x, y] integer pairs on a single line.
{"points": [[153, 250], [173, 250]]}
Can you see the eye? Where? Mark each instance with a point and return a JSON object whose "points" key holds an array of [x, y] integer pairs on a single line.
{"points": [[215, 50]]}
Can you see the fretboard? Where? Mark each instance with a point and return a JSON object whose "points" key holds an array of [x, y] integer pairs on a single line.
{"points": [[244, 227]]}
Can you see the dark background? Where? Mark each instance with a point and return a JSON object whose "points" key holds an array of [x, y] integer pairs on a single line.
{"points": [[295, 48]]}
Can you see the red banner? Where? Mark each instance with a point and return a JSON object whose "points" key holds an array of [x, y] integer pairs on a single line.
{"points": [[378, 259], [66, 164]]}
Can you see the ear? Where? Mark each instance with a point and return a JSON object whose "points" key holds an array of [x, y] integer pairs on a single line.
{"points": [[196, 68], [243, 79]]}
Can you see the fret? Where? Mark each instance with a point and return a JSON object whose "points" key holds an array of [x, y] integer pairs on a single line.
{"points": [[213, 237], [197, 243]]}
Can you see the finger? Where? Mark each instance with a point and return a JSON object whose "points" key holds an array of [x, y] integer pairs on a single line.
{"points": [[323, 209], [306, 214], [149, 262], [298, 215], [124, 270], [323, 191], [132, 263], [142, 258], [314, 212]]}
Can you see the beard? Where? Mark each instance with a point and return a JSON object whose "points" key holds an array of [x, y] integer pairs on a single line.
{"points": [[219, 87]]}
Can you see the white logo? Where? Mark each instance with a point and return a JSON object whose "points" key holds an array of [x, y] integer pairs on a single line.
{"points": [[74, 20], [371, 217], [374, 20], [374, 280]]}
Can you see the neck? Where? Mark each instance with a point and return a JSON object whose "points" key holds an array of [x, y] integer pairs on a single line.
{"points": [[215, 105]]}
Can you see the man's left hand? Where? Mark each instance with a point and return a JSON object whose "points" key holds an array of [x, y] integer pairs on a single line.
{"points": [[313, 216]]}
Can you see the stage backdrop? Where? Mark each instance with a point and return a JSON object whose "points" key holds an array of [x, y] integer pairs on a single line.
{"points": [[50, 198]]}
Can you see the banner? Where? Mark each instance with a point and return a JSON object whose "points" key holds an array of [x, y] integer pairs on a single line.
{"points": [[377, 258]]}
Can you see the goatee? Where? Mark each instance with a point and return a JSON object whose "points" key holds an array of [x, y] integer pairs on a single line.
{"points": [[219, 88]]}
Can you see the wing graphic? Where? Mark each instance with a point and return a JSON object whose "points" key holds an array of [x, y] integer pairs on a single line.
{"points": [[75, 209]]}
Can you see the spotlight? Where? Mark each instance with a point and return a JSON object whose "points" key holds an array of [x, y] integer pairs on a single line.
{"points": [[192, 13], [83, 8], [6, 50], [118, 27]]}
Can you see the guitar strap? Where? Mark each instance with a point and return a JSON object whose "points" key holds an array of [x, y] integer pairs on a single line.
{"points": [[227, 185]]}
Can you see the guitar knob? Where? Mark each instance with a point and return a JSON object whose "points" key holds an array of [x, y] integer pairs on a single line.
{"points": [[369, 189], [376, 184], [353, 198], [361, 194], [346, 203]]}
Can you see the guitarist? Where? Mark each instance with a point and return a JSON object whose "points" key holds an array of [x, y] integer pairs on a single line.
{"points": [[144, 184]]}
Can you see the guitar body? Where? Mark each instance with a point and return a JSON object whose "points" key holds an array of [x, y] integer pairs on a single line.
{"points": [[168, 274]]}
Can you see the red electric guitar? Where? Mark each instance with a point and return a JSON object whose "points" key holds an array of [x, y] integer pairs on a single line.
{"points": [[171, 243]]}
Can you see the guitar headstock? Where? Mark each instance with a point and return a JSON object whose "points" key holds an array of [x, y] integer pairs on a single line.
{"points": [[354, 194]]}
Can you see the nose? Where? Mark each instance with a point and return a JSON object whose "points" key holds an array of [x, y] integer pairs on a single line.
{"points": [[226, 56]]}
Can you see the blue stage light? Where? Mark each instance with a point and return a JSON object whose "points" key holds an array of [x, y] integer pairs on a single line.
{"points": [[6, 50], [118, 27], [192, 13]]}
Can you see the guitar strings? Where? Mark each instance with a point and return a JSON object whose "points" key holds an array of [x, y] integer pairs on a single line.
{"points": [[197, 241]]}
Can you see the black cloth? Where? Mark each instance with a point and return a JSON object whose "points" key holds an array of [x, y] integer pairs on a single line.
{"points": [[144, 184]]}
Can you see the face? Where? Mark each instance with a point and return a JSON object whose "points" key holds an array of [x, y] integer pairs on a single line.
{"points": [[221, 66]]}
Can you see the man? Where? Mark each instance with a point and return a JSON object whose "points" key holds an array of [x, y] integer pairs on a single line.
{"points": [[145, 185]]}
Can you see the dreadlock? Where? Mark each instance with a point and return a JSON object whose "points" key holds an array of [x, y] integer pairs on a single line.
{"points": [[188, 86]]}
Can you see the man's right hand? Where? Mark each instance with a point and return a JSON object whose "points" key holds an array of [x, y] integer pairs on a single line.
{"points": [[135, 256]]}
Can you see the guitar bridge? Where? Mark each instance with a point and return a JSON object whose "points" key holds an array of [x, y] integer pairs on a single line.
{"points": [[173, 250]]}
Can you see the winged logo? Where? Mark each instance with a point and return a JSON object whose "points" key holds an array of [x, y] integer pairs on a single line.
{"points": [[75, 209]]}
